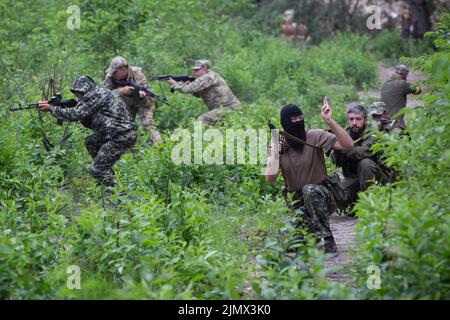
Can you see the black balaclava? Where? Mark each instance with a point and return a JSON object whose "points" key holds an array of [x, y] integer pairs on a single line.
{"points": [[297, 129]]}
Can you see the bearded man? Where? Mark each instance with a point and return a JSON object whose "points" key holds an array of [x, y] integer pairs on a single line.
{"points": [[361, 167]]}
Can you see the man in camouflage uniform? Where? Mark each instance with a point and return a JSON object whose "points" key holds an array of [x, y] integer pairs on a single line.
{"points": [[142, 104], [304, 171], [394, 93], [212, 88], [360, 166], [106, 114], [380, 118]]}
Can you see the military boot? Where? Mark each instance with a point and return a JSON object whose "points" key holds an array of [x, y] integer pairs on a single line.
{"points": [[330, 245]]}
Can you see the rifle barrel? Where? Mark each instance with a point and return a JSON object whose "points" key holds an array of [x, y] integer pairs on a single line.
{"points": [[176, 77], [30, 106]]}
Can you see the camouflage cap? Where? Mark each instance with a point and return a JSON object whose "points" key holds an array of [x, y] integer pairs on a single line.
{"points": [[377, 108], [402, 69], [116, 63], [201, 64], [82, 84]]}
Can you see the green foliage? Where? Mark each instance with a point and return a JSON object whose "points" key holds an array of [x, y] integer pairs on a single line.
{"points": [[323, 19], [180, 231], [406, 225], [388, 45]]}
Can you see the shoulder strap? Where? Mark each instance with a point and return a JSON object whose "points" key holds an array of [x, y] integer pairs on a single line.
{"points": [[290, 136]]}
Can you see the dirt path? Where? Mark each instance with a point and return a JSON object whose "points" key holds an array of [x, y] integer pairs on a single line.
{"points": [[343, 229]]}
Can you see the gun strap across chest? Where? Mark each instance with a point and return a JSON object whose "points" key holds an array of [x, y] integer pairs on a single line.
{"points": [[290, 136]]}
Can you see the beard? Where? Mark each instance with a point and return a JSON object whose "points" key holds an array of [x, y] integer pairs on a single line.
{"points": [[355, 132]]}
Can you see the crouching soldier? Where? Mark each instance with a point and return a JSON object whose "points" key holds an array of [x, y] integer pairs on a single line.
{"points": [[302, 164], [106, 114], [136, 103], [361, 167], [213, 90]]}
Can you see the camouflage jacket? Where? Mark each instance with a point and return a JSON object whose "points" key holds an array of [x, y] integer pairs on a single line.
{"points": [[99, 109], [348, 160], [213, 90], [136, 75]]}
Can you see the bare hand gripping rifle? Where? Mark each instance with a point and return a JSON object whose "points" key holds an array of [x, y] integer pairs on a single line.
{"points": [[137, 88]]}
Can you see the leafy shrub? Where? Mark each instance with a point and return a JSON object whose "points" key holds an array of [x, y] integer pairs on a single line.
{"points": [[388, 45], [405, 225], [184, 231]]}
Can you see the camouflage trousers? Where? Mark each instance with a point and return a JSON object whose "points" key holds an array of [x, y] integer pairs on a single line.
{"points": [[313, 210], [145, 109], [107, 153], [368, 171], [214, 115]]}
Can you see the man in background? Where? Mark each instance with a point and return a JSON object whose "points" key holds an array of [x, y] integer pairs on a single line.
{"points": [[213, 90]]}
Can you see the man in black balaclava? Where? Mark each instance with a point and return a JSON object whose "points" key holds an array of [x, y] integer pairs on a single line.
{"points": [[304, 171], [293, 122]]}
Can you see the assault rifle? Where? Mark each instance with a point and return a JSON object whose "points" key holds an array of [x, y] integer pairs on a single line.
{"points": [[56, 100], [176, 77], [137, 88]]}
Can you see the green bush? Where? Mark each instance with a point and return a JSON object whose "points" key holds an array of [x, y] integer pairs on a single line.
{"points": [[405, 226], [182, 231], [388, 46]]}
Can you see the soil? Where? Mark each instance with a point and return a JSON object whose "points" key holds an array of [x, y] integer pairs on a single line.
{"points": [[343, 229]]}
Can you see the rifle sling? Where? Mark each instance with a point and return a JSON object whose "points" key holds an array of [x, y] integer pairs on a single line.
{"points": [[290, 136]]}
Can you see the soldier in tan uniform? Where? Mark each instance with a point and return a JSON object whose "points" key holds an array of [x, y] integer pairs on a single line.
{"points": [[144, 105], [304, 171], [213, 90]]}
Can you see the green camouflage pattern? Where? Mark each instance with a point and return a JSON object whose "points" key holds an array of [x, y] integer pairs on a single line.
{"points": [[313, 210], [145, 106], [360, 165], [214, 92]]}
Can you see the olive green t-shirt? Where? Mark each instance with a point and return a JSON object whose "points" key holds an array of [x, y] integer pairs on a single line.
{"points": [[308, 166], [393, 94]]}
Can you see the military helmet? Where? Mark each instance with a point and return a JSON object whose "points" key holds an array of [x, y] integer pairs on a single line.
{"points": [[201, 64], [116, 63], [377, 108], [402, 69]]}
